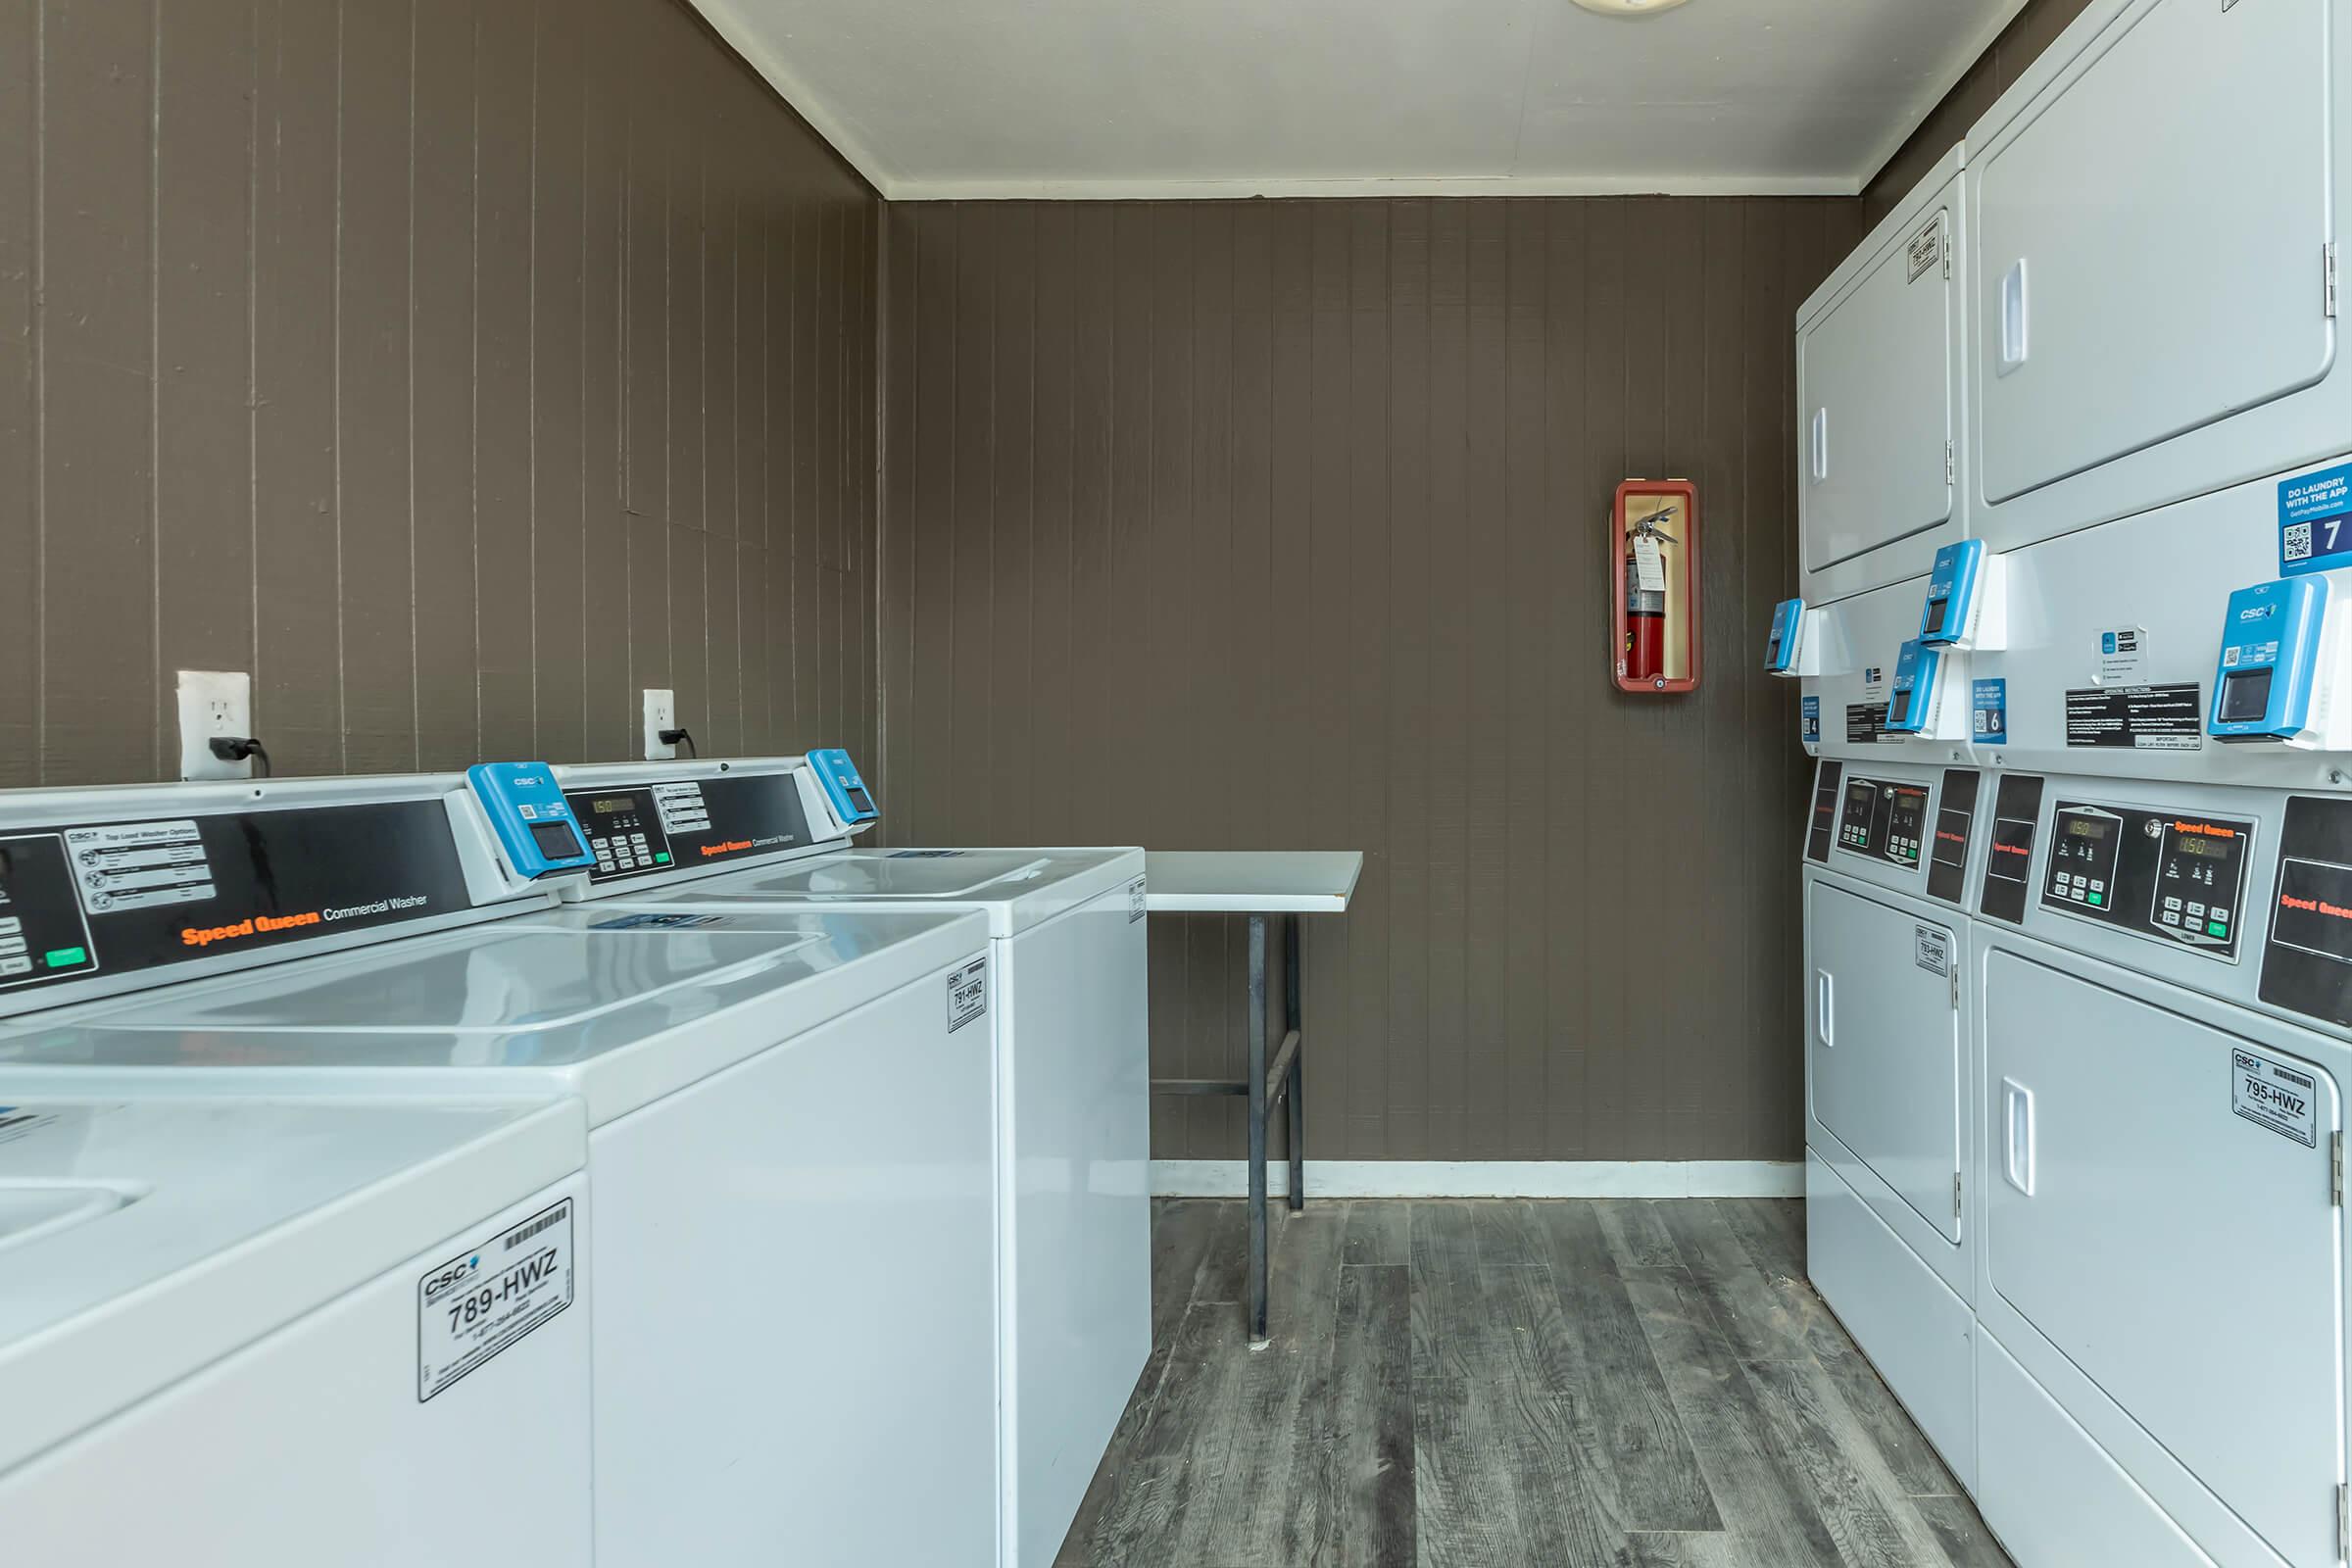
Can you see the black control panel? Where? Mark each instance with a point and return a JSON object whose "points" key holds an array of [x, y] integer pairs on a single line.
{"points": [[122, 897], [2009, 855], [1821, 825], [2153, 873], [1884, 819], [1956, 827], [640, 829], [2307, 960]]}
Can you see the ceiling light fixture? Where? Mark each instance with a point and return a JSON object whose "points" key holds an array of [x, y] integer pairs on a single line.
{"points": [[1628, 8]]}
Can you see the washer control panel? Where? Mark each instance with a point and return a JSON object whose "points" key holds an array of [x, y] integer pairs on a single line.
{"points": [[2154, 874]]}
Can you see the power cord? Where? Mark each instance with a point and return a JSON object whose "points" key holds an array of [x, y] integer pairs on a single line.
{"points": [[235, 748], [680, 737]]}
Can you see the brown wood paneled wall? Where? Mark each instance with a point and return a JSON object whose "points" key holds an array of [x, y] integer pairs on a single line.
{"points": [[456, 366], [1281, 524], [2020, 44]]}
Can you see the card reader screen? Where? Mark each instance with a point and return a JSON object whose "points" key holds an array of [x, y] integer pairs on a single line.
{"points": [[555, 840], [1936, 609], [2245, 695]]}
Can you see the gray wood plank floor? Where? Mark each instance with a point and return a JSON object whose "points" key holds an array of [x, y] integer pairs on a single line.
{"points": [[1620, 1383]]}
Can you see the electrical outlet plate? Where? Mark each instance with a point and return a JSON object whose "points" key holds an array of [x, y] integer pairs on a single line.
{"points": [[212, 701], [660, 713]]}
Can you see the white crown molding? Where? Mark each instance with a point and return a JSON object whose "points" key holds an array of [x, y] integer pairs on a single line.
{"points": [[1490, 1178], [1115, 190]]}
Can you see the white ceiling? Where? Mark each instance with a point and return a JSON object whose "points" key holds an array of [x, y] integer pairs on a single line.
{"points": [[1100, 98]]}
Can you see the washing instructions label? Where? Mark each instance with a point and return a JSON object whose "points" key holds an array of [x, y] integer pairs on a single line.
{"points": [[1873, 683], [1989, 711], [488, 1297], [1809, 720], [1934, 949], [138, 865], [967, 993], [2122, 655], [2146, 719], [2315, 520], [1927, 248], [924, 854], [1135, 901], [656, 922], [2270, 1094]]}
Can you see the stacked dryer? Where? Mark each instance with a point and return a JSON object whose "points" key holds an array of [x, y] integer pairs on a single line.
{"points": [[2132, 639]]}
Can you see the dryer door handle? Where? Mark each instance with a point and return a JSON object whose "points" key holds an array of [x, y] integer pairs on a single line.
{"points": [[2016, 343], [2017, 1121], [1824, 1012], [1821, 445]]}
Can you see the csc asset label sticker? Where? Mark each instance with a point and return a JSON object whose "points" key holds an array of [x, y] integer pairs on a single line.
{"points": [[2270, 1094], [967, 993], [488, 1297]]}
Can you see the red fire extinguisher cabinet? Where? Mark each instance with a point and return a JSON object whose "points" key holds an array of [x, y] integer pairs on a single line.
{"points": [[1654, 622]]}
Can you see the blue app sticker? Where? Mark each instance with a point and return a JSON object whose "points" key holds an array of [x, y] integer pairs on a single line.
{"points": [[2315, 520], [1988, 701], [1812, 720]]}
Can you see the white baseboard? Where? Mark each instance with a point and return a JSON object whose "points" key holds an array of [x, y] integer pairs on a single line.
{"points": [[1490, 1178]]}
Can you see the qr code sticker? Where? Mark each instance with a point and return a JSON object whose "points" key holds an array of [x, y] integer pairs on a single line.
{"points": [[2298, 542]]}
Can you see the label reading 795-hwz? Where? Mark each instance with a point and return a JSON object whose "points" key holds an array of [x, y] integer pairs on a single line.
{"points": [[488, 1297]]}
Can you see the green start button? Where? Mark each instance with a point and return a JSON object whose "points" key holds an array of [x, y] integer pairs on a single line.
{"points": [[66, 958]]}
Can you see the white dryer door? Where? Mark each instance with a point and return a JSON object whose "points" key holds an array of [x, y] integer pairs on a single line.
{"points": [[1884, 1040], [1874, 388], [2179, 1252], [2151, 243]]}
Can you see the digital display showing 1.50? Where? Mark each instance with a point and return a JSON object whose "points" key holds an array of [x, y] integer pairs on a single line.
{"points": [[610, 805], [2088, 827]]}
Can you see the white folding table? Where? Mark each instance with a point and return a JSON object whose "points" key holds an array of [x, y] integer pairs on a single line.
{"points": [[1258, 883]]}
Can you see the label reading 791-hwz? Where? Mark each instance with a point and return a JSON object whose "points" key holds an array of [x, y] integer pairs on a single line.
{"points": [[488, 1297]]}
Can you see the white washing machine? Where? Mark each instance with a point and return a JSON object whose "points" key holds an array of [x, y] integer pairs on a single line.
{"points": [[286, 1333], [1890, 854], [790, 1116], [2161, 1280], [1068, 1029]]}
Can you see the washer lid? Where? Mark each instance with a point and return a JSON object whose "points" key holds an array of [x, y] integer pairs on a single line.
{"points": [[164, 1234], [1017, 888], [617, 1006]]}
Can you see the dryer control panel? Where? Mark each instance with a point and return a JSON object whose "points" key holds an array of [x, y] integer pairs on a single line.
{"points": [[1884, 819], [2170, 878]]}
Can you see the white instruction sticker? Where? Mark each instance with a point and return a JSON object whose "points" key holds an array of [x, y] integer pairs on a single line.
{"points": [[967, 993], [683, 808], [137, 865], [488, 1297], [1934, 949], [1135, 901], [2122, 655], [2270, 1094]]}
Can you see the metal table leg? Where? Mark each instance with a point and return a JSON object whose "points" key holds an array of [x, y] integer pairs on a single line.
{"points": [[1258, 1130], [1290, 1022]]}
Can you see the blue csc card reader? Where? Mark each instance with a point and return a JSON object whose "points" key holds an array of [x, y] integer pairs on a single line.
{"points": [[1912, 701], [536, 830], [2267, 680], [1782, 644], [853, 803], [1955, 589]]}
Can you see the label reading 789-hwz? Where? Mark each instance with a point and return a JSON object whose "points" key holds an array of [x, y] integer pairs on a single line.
{"points": [[488, 1297]]}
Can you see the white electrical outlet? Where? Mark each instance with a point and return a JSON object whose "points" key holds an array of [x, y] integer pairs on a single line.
{"points": [[660, 713], [214, 702]]}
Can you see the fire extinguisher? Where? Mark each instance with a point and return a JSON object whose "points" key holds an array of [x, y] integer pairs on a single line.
{"points": [[1646, 597]]}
